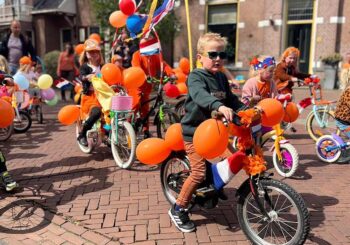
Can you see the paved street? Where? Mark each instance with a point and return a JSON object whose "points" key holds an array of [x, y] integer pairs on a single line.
{"points": [[68, 197]]}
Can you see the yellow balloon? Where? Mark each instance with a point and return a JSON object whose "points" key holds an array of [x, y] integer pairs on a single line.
{"points": [[45, 81]]}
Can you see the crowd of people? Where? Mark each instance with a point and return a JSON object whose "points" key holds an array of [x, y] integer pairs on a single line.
{"points": [[208, 90]]}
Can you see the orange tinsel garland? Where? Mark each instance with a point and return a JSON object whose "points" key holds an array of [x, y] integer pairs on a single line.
{"points": [[256, 164]]}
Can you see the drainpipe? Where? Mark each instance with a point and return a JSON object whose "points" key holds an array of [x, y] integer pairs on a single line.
{"points": [[338, 39]]}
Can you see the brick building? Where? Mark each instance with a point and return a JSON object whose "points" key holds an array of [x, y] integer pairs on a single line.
{"points": [[317, 27]]}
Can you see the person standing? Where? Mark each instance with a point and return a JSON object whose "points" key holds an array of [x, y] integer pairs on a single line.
{"points": [[67, 69], [15, 46]]}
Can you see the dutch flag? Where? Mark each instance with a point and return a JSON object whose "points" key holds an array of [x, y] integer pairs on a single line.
{"points": [[224, 171]]}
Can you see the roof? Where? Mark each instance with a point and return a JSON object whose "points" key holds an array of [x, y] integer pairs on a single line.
{"points": [[54, 7]]}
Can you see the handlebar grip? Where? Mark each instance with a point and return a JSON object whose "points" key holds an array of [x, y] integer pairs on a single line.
{"points": [[219, 115]]}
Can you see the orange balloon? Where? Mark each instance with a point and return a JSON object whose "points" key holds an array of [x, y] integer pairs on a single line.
{"points": [[210, 138], [77, 88], [181, 77], [178, 69], [95, 37], [135, 97], [7, 114], [68, 114], [174, 138], [152, 151], [182, 88], [273, 112], [79, 49], [238, 131], [184, 65], [117, 19], [111, 74], [134, 77], [291, 112]]}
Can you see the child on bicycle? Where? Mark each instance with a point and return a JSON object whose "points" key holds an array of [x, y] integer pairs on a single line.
{"points": [[152, 64], [260, 85], [209, 90], [287, 72], [91, 61]]}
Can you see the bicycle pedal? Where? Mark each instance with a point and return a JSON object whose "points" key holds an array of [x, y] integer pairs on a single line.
{"points": [[204, 191]]}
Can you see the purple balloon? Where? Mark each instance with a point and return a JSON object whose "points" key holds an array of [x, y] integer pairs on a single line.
{"points": [[48, 94]]}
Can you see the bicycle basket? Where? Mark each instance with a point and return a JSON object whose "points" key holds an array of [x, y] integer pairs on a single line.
{"points": [[121, 103]]}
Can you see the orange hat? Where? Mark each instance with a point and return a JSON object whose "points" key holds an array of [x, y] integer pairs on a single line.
{"points": [[25, 60], [91, 44]]}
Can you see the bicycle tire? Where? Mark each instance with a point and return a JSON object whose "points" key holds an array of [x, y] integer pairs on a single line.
{"points": [[327, 129], [170, 117], [26, 120], [5, 133], [119, 147], [321, 154], [180, 108], [245, 209], [85, 149], [174, 158], [290, 160]]}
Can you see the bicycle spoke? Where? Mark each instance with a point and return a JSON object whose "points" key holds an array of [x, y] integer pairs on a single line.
{"points": [[278, 211]]}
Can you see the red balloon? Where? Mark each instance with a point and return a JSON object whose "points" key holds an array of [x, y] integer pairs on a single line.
{"points": [[291, 112], [211, 138], [152, 151], [184, 65], [111, 74], [171, 90], [273, 112], [134, 77], [68, 114], [174, 138], [182, 88], [117, 19], [95, 37], [7, 114], [128, 7]]}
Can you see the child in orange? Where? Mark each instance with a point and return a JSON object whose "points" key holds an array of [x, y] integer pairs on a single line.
{"points": [[286, 72], [149, 59], [260, 85], [91, 61]]}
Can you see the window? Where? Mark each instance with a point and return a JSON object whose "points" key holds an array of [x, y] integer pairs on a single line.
{"points": [[300, 9], [66, 37], [223, 19], [94, 29]]}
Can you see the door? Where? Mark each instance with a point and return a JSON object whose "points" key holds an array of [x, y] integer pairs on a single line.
{"points": [[299, 36], [66, 37]]}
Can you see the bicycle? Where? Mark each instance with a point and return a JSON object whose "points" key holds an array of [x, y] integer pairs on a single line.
{"points": [[321, 120], [35, 106], [268, 211], [164, 115], [330, 147]]}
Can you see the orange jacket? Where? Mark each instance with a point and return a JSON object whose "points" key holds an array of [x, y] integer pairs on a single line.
{"points": [[150, 64]]}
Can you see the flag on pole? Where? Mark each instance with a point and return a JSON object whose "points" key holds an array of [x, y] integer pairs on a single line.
{"points": [[159, 14], [59, 83]]}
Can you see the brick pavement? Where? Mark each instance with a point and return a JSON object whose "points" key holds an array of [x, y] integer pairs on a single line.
{"points": [[67, 197]]}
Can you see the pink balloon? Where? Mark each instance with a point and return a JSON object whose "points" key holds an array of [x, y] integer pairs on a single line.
{"points": [[48, 94]]}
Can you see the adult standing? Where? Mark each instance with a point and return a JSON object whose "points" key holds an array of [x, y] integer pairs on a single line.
{"points": [[15, 46], [67, 69]]}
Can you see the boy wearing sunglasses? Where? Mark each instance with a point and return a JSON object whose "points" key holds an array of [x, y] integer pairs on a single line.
{"points": [[209, 90]]}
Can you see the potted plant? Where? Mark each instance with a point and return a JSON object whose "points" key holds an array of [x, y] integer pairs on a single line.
{"points": [[330, 64]]}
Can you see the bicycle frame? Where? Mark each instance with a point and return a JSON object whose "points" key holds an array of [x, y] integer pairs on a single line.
{"points": [[120, 116], [279, 139]]}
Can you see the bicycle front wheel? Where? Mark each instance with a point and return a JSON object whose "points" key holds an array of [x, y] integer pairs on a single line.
{"points": [[5, 133], [289, 162], [164, 120], [321, 123], [288, 221], [123, 143]]}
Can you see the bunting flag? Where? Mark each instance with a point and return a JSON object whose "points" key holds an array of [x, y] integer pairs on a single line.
{"points": [[224, 171], [150, 47]]}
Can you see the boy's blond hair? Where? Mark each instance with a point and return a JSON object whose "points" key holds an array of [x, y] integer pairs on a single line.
{"points": [[4, 66], [210, 37]]}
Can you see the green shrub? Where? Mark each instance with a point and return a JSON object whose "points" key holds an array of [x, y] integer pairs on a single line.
{"points": [[50, 61], [332, 59]]}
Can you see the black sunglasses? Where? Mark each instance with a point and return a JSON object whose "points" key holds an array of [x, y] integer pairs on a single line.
{"points": [[213, 55]]}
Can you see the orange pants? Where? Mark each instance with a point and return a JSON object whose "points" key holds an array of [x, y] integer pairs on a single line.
{"points": [[87, 103], [140, 96], [197, 176]]}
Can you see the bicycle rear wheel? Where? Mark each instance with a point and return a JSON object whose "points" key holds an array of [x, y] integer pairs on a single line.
{"points": [[288, 221], [321, 124], [5, 133], [22, 125], [164, 120], [123, 143]]}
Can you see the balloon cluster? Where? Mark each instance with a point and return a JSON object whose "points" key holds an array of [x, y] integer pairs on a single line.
{"points": [[181, 73]]}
